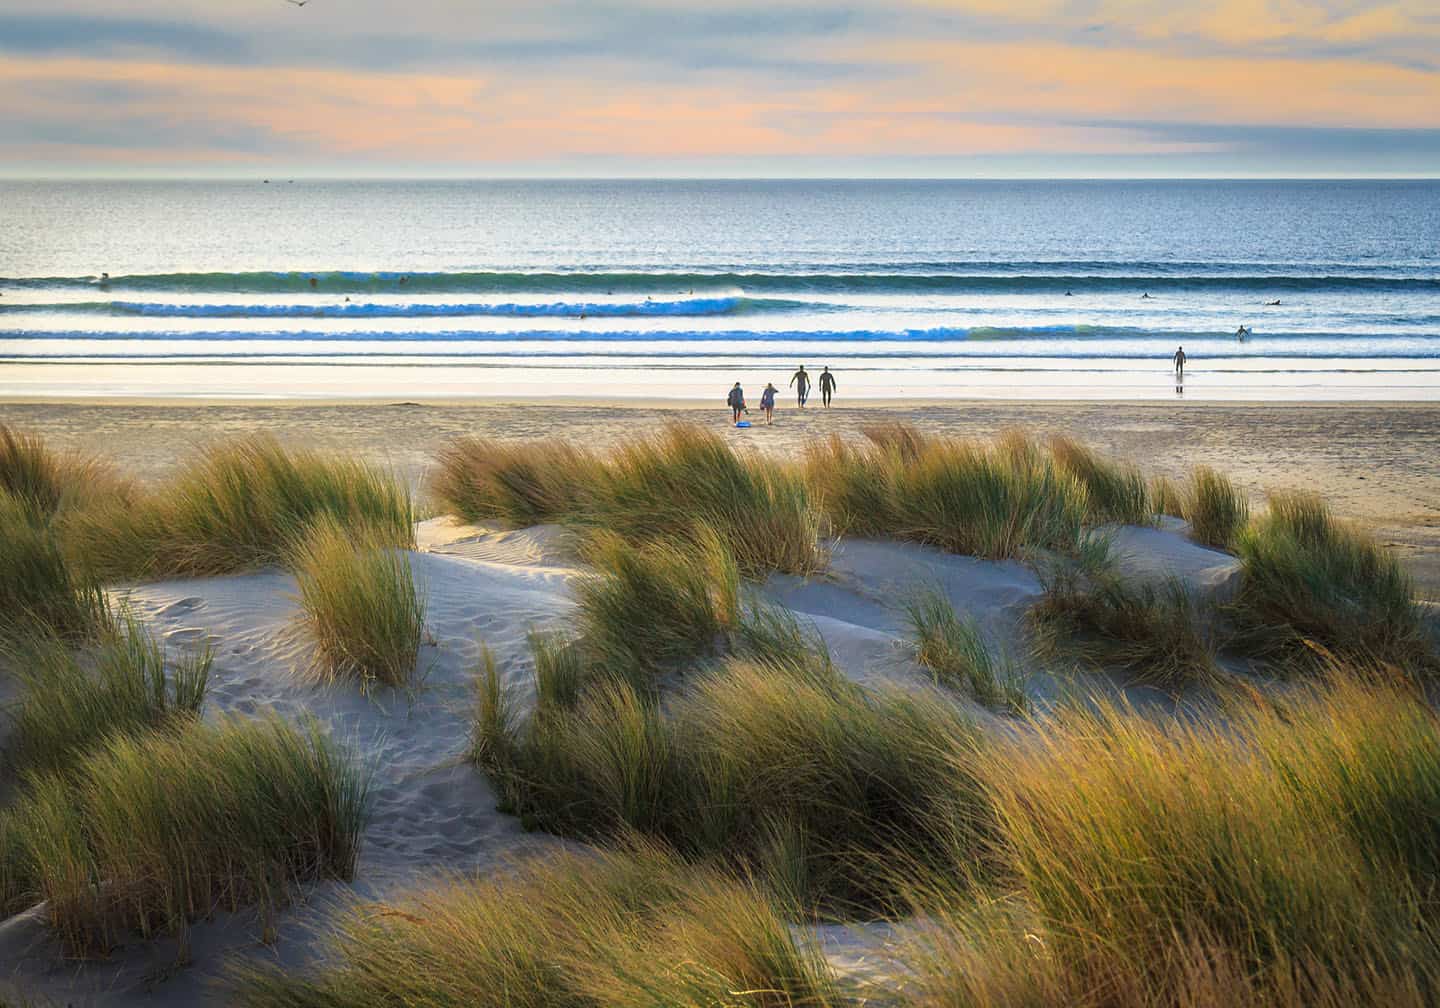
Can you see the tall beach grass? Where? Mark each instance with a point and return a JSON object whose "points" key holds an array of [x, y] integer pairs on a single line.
{"points": [[1283, 858], [1313, 584], [519, 482], [653, 606], [1117, 491], [659, 488], [237, 506], [769, 765], [150, 832], [952, 648], [1216, 508], [631, 928], [41, 591], [996, 500], [73, 702], [359, 604]]}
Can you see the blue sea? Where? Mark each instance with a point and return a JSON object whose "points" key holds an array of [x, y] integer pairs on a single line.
{"points": [[676, 289]]}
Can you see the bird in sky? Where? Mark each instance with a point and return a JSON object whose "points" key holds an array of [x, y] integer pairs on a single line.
{"points": [[298, 3]]}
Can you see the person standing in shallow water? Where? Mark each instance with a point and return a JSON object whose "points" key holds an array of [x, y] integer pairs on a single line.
{"points": [[801, 381], [1179, 360], [827, 387], [767, 403], [736, 402]]}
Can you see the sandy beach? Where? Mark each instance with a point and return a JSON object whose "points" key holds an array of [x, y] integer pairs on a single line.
{"points": [[1373, 461]]}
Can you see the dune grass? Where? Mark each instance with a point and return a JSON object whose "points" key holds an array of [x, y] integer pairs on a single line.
{"points": [[1116, 491], [125, 685], [51, 482], [1157, 633], [41, 592], [650, 607], [771, 765], [359, 604], [1313, 584], [954, 651], [996, 501], [148, 833], [633, 928], [238, 506], [1167, 496], [660, 488], [687, 478], [519, 482], [1283, 858], [1216, 508]]}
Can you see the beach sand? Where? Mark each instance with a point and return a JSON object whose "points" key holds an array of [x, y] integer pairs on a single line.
{"points": [[433, 813], [1375, 462]]}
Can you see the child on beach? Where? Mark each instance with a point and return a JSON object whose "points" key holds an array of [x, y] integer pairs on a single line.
{"points": [[767, 402], [736, 402]]}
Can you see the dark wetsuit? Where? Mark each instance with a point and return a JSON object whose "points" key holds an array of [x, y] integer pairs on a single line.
{"points": [[801, 380], [827, 387]]}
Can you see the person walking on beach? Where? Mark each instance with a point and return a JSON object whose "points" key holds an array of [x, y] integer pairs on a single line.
{"points": [[1179, 360], [736, 402], [801, 380], [827, 386], [767, 402]]}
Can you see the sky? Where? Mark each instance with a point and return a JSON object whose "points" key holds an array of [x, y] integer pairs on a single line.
{"points": [[927, 88]]}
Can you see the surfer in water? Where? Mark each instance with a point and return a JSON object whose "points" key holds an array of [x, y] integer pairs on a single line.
{"points": [[1145, 296], [1241, 333], [827, 386], [1179, 360], [767, 402], [736, 401], [801, 381]]}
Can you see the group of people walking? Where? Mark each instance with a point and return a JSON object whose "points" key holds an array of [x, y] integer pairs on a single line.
{"points": [[799, 381]]}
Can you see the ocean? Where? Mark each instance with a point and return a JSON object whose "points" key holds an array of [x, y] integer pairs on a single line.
{"points": [[677, 289]]}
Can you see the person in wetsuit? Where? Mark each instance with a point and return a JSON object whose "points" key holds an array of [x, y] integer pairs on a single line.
{"points": [[1179, 360], [827, 386], [801, 381]]}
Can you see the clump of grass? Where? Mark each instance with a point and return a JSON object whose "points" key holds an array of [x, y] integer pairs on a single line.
{"points": [[773, 635], [662, 488], [1168, 497], [1216, 508], [41, 593], [1159, 633], [74, 703], [360, 605], [991, 502], [687, 478], [50, 483], [751, 752], [238, 506], [1116, 491], [150, 832], [852, 484], [634, 928], [519, 482], [996, 501], [954, 651], [652, 606], [1311, 580], [1284, 857]]}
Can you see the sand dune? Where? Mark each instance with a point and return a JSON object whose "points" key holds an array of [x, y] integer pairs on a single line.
{"points": [[434, 813]]}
